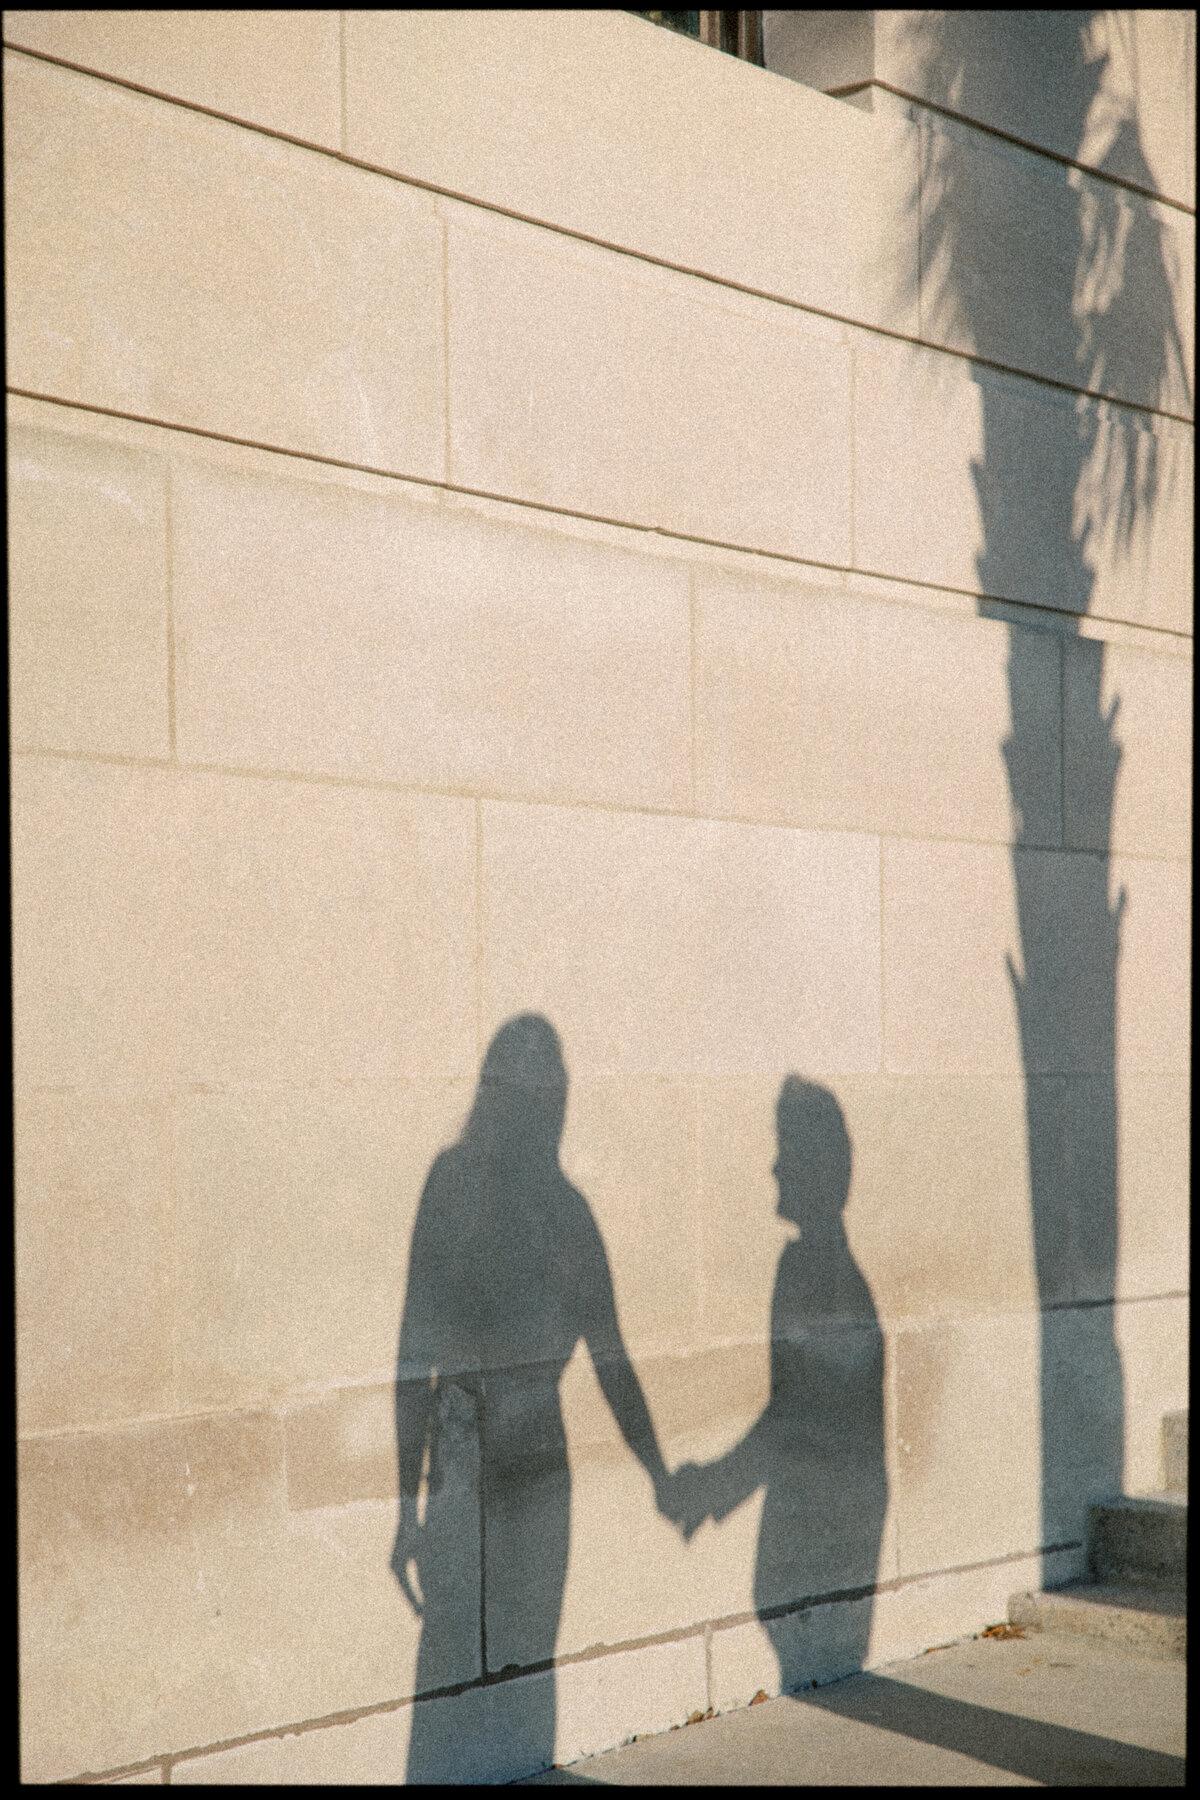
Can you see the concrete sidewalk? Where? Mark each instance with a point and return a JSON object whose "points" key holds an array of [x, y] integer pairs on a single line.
{"points": [[1039, 1711]]}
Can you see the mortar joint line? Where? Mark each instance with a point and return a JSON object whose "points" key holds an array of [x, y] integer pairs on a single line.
{"points": [[584, 237], [1053, 618]]}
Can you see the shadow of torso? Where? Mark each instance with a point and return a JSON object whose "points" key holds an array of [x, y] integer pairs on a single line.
{"points": [[820, 1447]]}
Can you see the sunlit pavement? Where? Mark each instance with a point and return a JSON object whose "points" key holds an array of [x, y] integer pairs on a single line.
{"points": [[1042, 1711]]}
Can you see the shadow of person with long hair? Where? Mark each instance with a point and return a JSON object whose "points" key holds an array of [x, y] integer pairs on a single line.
{"points": [[817, 1448], [507, 1273]]}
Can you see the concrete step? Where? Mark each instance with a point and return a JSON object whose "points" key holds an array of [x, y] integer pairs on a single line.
{"points": [[1175, 1451], [1139, 1538], [1149, 1620]]}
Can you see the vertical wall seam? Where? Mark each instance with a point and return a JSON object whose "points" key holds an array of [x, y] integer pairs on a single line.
{"points": [[478, 931], [853, 456], [169, 559], [342, 133], [692, 682], [892, 1343], [883, 1062], [446, 345], [1061, 649], [920, 212], [481, 1438], [701, 1234]]}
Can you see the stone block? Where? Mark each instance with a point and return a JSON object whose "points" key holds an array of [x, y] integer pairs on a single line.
{"points": [[1134, 516], [284, 1195], [95, 1267], [356, 1754], [196, 1616], [968, 990], [819, 708], [598, 384], [176, 267], [341, 1447], [1152, 1341], [87, 548], [278, 69], [1153, 1031], [938, 1217], [212, 928], [598, 124], [578, 1557], [780, 1655], [1082, 1405], [488, 1734], [1127, 699], [1140, 1538], [629, 1146], [743, 1235], [1114, 91], [667, 946], [606, 1700], [968, 1422], [361, 630], [1038, 498], [920, 1615], [1153, 1184], [1049, 270]]}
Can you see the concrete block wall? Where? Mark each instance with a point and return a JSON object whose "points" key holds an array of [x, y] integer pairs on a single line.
{"points": [[524, 514]]}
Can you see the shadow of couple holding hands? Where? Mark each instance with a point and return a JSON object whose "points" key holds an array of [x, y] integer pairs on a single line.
{"points": [[507, 1273]]}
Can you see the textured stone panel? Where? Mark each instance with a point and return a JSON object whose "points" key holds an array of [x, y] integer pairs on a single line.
{"points": [[211, 928], [666, 946], [599, 123], [1154, 1184], [96, 1293], [1154, 981], [179, 268], [294, 1215], [1019, 492], [196, 1616], [87, 550], [277, 68], [818, 708], [354, 630], [1114, 694], [1046, 269], [996, 964], [1152, 1337], [1115, 91], [596, 383], [967, 1421]]}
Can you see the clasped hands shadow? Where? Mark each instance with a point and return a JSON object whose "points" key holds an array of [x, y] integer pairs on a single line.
{"points": [[688, 1498]]}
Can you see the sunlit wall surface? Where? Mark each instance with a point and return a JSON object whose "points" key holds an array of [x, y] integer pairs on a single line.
{"points": [[601, 689]]}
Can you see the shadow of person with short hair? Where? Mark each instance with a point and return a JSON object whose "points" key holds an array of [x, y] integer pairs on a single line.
{"points": [[817, 1448], [507, 1273]]}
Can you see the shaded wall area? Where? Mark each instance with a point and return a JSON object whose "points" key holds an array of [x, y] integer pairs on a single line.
{"points": [[1117, 319]]}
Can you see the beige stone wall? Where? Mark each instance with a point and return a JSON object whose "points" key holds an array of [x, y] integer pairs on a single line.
{"points": [[526, 513]]}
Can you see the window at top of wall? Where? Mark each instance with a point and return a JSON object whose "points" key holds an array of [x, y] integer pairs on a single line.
{"points": [[737, 33]]}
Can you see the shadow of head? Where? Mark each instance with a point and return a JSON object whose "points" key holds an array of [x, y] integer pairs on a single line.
{"points": [[521, 1101], [813, 1164]]}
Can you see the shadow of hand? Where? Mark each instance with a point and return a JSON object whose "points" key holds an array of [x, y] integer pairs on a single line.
{"points": [[681, 1499], [406, 1551]]}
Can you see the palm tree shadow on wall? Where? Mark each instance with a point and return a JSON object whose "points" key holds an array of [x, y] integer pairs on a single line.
{"points": [[507, 1273], [1057, 493], [817, 1449]]}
